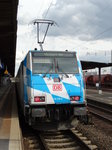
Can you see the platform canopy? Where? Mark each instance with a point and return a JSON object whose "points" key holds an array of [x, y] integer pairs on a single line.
{"points": [[8, 32], [92, 65]]}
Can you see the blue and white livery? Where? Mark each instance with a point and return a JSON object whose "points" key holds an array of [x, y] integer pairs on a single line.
{"points": [[51, 87]]}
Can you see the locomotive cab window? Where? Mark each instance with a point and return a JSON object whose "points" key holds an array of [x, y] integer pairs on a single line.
{"points": [[42, 65], [54, 64]]}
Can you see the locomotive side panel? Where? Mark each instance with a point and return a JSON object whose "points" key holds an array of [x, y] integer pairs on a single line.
{"points": [[20, 86]]}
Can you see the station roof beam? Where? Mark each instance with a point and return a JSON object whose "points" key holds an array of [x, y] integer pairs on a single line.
{"points": [[8, 33]]}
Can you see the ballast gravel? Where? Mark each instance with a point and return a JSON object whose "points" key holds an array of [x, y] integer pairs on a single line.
{"points": [[100, 134]]}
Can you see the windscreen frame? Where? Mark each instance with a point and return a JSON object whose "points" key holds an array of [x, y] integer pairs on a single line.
{"points": [[55, 55]]}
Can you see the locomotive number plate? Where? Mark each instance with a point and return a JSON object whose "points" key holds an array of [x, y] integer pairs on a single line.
{"points": [[57, 87]]}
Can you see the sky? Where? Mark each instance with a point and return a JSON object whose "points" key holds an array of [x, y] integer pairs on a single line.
{"points": [[82, 26]]}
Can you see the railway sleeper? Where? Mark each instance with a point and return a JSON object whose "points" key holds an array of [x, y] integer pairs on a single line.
{"points": [[52, 133], [62, 145], [56, 137], [32, 146], [66, 148], [32, 141], [84, 140], [59, 140]]}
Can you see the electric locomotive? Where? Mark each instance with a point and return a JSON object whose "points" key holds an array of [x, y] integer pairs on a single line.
{"points": [[51, 88]]}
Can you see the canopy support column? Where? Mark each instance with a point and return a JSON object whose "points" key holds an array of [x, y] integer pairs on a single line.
{"points": [[99, 70]]}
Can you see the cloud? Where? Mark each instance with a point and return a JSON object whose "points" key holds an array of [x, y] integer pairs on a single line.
{"points": [[86, 20], [24, 19]]}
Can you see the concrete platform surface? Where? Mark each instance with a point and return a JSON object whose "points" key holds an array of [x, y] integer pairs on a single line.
{"points": [[10, 133], [105, 97]]}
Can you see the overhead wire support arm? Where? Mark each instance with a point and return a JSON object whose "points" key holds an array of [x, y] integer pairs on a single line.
{"points": [[45, 33], [38, 32], [42, 21]]}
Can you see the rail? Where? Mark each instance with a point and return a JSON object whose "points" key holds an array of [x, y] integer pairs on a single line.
{"points": [[100, 110], [57, 140]]}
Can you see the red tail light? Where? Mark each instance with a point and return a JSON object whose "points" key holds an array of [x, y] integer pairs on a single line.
{"points": [[39, 99], [74, 98]]}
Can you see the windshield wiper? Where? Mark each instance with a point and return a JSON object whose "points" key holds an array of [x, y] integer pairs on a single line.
{"points": [[58, 68], [48, 71]]}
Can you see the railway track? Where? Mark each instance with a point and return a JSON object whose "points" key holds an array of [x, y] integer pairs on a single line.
{"points": [[68, 139], [100, 110], [57, 140]]}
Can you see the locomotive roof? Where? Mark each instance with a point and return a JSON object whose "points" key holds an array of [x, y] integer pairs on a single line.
{"points": [[38, 51], [52, 53], [49, 52]]}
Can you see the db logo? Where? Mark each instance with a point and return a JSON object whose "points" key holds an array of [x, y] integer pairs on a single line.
{"points": [[57, 87]]}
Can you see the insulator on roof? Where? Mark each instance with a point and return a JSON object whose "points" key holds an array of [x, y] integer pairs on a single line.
{"points": [[35, 49]]}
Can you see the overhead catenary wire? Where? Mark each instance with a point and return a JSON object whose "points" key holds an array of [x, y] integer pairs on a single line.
{"points": [[41, 8], [99, 34], [48, 9]]}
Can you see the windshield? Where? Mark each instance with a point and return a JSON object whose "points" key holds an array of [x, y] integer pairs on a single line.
{"points": [[52, 65]]}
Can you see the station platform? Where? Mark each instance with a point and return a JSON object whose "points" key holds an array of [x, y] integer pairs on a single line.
{"points": [[10, 133], [104, 96]]}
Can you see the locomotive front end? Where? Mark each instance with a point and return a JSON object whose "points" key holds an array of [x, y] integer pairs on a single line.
{"points": [[55, 88]]}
